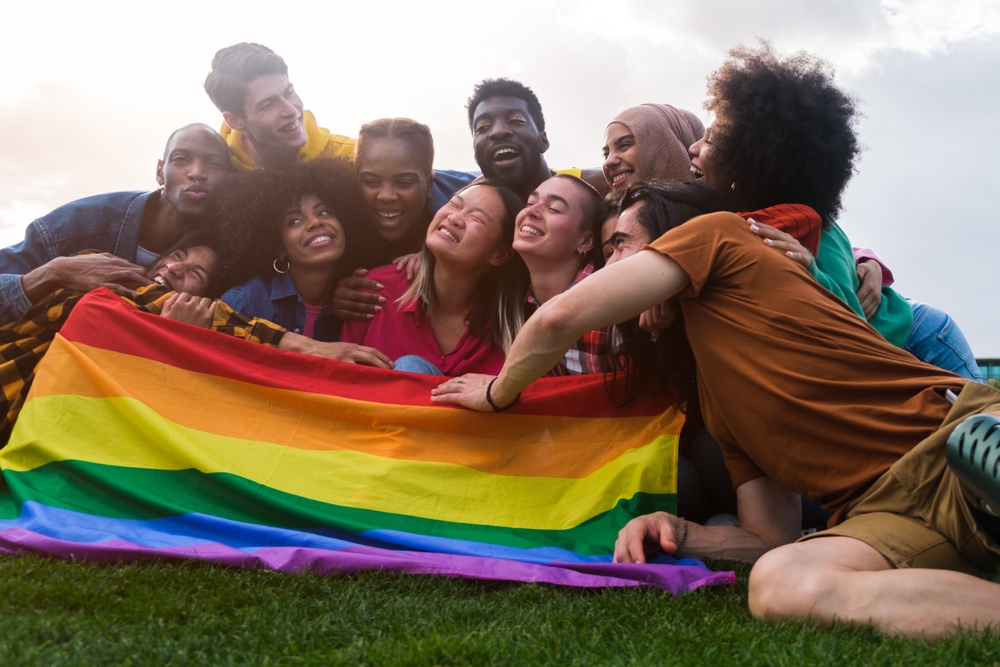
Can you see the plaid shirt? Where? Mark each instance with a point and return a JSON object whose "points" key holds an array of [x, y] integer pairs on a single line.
{"points": [[24, 342], [588, 355]]}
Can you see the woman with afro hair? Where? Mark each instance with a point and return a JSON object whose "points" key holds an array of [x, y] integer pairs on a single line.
{"points": [[785, 134], [289, 230]]}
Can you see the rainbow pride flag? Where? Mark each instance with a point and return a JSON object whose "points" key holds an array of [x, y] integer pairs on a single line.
{"points": [[146, 438]]}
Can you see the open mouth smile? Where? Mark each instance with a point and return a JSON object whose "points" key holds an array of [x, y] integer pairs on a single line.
{"points": [[319, 240], [620, 178], [504, 154]]}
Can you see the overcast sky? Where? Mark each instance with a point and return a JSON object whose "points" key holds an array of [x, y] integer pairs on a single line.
{"points": [[90, 92]]}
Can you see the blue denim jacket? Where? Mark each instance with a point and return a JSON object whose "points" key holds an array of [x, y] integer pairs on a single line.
{"points": [[446, 183], [108, 223], [277, 300]]}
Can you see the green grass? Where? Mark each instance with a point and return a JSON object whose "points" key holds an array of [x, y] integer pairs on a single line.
{"points": [[54, 612], [994, 383]]}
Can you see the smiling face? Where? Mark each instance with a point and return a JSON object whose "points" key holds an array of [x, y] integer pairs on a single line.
{"points": [[621, 156], [550, 227], [468, 230], [622, 236], [394, 186], [507, 142], [272, 115], [311, 235], [186, 270], [704, 168], [195, 163]]}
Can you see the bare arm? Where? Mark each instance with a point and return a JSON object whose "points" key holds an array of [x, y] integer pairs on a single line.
{"points": [[770, 515], [82, 273], [612, 295], [349, 352]]}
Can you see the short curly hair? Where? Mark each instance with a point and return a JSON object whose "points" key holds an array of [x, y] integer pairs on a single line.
{"points": [[783, 132], [249, 208], [503, 87]]}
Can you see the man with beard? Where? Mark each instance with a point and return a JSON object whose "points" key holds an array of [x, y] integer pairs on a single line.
{"points": [[128, 229]]}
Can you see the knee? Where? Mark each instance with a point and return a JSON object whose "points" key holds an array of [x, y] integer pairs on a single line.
{"points": [[783, 585]]}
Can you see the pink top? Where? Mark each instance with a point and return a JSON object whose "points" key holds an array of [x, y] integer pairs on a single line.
{"points": [[400, 329], [312, 314]]}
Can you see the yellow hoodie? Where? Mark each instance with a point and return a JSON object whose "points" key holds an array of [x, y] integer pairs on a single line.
{"points": [[319, 143]]}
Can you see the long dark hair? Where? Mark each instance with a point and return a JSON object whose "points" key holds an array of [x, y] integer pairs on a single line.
{"points": [[669, 358]]}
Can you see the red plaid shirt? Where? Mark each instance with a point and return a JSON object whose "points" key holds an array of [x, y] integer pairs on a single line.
{"points": [[587, 354]]}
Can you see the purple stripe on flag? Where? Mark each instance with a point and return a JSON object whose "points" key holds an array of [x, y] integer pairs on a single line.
{"points": [[675, 579]]}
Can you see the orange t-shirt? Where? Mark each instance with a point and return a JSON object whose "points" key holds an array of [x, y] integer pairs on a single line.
{"points": [[792, 383]]}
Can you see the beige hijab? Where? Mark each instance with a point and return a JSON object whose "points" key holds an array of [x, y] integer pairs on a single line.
{"points": [[662, 136]]}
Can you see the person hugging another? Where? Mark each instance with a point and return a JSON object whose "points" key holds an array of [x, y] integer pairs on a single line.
{"points": [[461, 311], [290, 230]]}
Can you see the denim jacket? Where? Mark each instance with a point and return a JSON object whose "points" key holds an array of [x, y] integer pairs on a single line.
{"points": [[108, 223], [277, 300]]}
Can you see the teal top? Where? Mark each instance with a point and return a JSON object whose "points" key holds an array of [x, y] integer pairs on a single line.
{"points": [[836, 270]]}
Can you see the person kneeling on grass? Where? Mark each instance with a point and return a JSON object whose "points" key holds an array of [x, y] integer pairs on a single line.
{"points": [[804, 398], [180, 277]]}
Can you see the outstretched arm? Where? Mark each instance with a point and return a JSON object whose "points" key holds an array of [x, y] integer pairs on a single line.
{"points": [[612, 295]]}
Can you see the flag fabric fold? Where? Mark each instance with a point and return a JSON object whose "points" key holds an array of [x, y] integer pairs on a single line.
{"points": [[146, 438]]}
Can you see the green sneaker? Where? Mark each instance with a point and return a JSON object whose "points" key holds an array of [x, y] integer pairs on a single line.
{"points": [[973, 452]]}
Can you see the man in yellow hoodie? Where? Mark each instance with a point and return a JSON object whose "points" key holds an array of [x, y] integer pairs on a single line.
{"points": [[265, 123]]}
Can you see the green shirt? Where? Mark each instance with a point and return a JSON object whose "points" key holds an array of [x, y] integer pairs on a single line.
{"points": [[836, 270]]}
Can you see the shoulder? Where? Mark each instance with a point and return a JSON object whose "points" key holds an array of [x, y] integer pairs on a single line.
{"points": [[249, 292], [108, 202], [395, 282], [708, 227]]}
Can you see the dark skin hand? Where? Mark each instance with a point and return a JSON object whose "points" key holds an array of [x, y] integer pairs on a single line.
{"points": [[83, 273], [350, 303], [870, 287]]}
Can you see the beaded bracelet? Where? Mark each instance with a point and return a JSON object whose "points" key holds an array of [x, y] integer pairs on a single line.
{"points": [[684, 537], [489, 399]]}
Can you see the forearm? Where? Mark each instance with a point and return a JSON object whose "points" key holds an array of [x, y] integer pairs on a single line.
{"points": [[724, 543], [540, 345], [610, 296], [42, 281]]}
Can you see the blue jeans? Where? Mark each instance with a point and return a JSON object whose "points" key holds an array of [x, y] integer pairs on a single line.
{"points": [[938, 341], [411, 363]]}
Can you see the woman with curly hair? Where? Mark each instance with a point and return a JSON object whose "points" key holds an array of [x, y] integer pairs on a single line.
{"points": [[463, 308], [289, 231], [784, 133]]}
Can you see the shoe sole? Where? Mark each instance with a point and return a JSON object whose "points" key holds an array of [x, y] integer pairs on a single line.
{"points": [[973, 452]]}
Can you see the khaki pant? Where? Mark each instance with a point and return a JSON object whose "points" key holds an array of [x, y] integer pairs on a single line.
{"points": [[916, 514]]}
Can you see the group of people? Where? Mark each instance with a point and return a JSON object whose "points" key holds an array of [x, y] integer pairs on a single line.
{"points": [[704, 265]]}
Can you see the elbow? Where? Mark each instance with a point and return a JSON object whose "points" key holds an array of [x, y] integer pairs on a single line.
{"points": [[556, 318]]}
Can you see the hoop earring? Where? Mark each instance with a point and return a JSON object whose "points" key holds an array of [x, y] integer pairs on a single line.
{"points": [[275, 265]]}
